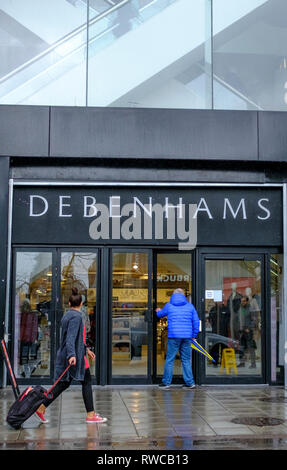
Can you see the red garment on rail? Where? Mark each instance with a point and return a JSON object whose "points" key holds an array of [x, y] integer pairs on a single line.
{"points": [[29, 327]]}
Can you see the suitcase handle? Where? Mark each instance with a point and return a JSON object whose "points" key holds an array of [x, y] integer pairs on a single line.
{"points": [[10, 370], [49, 391]]}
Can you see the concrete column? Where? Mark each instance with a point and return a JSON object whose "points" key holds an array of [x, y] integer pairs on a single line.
{"points": [[285, 279], [4, 179]]}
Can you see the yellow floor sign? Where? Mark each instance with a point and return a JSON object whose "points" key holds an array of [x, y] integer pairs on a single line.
{"points": [[228, 360]]}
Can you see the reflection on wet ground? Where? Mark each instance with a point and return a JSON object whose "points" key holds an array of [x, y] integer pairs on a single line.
{"points": [[258, 421], [142, 418]]}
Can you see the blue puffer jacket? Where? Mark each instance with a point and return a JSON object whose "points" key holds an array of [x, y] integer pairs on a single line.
{"points": [[182, 318]]}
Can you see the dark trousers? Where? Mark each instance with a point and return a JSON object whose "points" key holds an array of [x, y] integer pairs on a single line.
{"points": [[87, 391], [247, 343]]}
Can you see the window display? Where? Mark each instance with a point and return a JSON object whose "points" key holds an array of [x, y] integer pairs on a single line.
{"points": [[32, 326]]}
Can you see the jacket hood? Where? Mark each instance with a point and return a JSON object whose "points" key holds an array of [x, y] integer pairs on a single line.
{"points": [[178, 299]]}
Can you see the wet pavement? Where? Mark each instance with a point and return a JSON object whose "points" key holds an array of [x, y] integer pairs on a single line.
{"points": [[149, 418]]}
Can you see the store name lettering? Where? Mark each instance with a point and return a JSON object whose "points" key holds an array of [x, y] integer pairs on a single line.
{"points": [[150, 220], [173, 278], [115, 210]]}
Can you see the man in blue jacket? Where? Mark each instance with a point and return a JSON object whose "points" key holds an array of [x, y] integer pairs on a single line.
{"points": [[183, 325]]}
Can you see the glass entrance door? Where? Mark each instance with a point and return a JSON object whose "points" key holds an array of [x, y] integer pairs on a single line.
{"points": [[232, 308], [173, 270], [131, 314], [79, 269]]}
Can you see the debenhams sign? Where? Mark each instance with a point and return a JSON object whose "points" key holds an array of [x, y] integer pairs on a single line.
{"points": [[167, 216]]}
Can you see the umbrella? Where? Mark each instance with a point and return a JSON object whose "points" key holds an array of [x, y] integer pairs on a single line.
{"points": [[195, 345]]}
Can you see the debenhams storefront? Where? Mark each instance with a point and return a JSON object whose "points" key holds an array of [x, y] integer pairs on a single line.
{"points": [[127, 242]]}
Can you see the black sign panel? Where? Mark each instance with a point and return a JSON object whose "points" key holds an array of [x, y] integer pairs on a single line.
{"points": [[186, 216]]}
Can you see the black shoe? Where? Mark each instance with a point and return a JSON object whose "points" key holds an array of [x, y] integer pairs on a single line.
{"points": [[164, 386], [189, 387], [242, 364]]}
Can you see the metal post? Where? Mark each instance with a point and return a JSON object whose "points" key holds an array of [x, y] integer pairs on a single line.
{"points": [[8, 276], [285, 279]]}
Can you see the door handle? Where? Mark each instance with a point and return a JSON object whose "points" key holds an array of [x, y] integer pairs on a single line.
{"points": [[149, 315], [59, 315]]}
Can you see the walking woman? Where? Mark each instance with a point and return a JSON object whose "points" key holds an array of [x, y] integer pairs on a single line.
{"points": [[73, 351]]}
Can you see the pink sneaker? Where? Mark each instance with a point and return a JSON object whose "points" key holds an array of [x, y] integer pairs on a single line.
{"points": [[42, 418], [96, 419]]}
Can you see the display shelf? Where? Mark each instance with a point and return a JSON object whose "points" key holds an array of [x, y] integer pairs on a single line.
{"points": [[121, 339]]}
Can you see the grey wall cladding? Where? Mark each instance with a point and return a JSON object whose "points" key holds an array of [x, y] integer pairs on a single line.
{"points": [[41, 131], [272, 130], [153, 133], [24, 131]]}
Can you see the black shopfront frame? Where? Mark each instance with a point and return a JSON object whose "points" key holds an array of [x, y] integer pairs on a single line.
{"points": [[103, 368]]}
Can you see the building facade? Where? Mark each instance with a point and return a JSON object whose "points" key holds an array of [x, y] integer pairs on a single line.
{"points": [[133, 162], [127, 223]]}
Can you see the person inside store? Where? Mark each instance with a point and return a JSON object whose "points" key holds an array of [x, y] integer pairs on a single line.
{"points": [[247, 342], [72, 351], [183, 325]]}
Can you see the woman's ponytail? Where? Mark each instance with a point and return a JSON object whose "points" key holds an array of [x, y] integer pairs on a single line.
{"points": [[75, 299]]}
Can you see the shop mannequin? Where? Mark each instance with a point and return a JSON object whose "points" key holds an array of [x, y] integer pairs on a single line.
{"points": [[254, 311]]}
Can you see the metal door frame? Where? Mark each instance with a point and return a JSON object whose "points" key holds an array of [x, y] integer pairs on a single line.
{"points": [[235, 254], [157, 378], [129, 379], [58, 306]]}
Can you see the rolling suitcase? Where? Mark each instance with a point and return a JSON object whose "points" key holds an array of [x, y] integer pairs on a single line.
{"points": [[33, 421], [25, 405], [28, 402]]}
